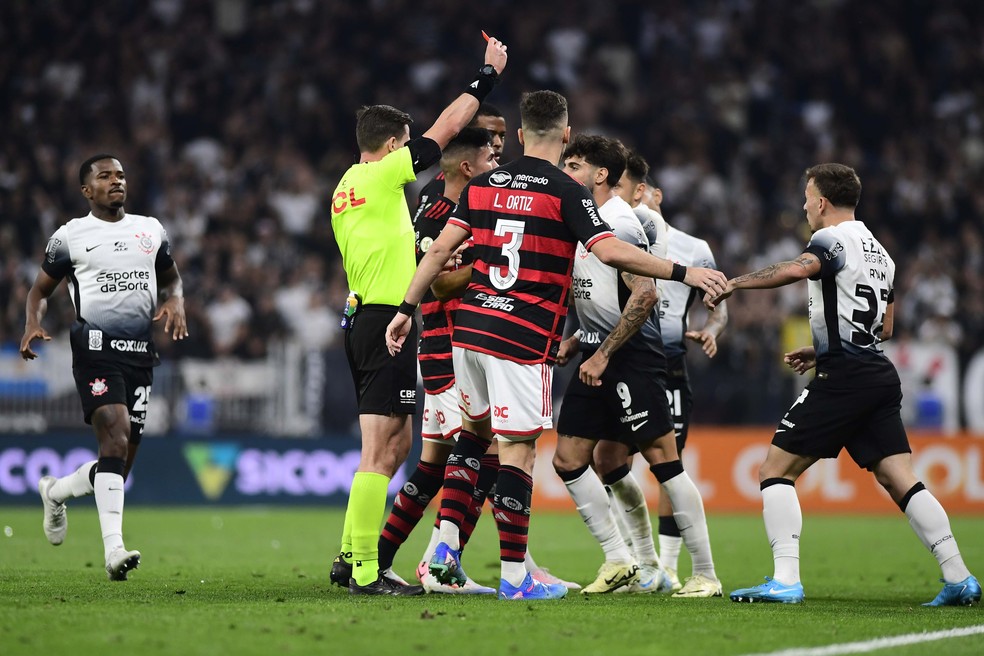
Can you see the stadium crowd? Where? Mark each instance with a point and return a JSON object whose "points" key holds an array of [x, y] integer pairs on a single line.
{"points": [[235, 120]]}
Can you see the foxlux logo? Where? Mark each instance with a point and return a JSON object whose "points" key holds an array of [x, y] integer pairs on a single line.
{"points": [[128, 345]]}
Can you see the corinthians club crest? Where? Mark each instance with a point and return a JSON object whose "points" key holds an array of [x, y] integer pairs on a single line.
{"points": [[145, 242]]}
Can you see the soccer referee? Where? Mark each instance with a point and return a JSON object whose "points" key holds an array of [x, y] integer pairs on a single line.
{"points": [[372, 225]]}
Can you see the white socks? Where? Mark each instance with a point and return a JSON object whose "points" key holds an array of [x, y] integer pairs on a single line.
{"points": [[688, 511], [109, 503], [630, 507], [449, 535], [669, 551], [73, 486], [591, 499], [783, 525], [432, 545], [929, 521]]}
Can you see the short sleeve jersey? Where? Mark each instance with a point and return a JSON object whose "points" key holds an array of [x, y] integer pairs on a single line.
{"points": [[112, 270], [675, 298], [434, 352], [848, 301], [526, 218], [372, 226], [432, 190], [655, 228], [600, 294]]}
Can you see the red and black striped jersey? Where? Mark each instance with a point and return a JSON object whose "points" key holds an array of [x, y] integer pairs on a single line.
{"points": [[432, 190], [434, 351], [526, 218]]}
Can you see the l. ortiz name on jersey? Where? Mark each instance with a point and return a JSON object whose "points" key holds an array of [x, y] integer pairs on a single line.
{"points": [[112, 270], [848, 300], [526, 218], [600, 294]]}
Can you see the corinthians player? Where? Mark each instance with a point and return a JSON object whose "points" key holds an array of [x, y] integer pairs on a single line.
{"points": [[118, 267]]}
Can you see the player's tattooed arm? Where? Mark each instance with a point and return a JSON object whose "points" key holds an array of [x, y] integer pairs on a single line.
{"points": [[638, 308], [807, 265], [779, 274]]}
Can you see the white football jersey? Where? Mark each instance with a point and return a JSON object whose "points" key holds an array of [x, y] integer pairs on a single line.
{"points": [[111, 270], [849, 297], [599, 292], [675, 298], [655, 228]]}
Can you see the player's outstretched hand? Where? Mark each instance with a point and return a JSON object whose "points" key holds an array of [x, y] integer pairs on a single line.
{"points": [[713, 299], [396, 333], [802, 359], [175, 322], [710, 281], [29, 336], [707, 341], [495, 54]]}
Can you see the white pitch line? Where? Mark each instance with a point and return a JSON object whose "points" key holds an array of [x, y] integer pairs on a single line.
{"points": [[877, 643]]}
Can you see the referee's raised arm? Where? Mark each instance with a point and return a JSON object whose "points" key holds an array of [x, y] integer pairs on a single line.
{"points": [[460, 112]]}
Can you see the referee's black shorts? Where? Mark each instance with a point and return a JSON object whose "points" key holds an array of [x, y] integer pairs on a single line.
{"points": [[825, 419], [384, 384]]}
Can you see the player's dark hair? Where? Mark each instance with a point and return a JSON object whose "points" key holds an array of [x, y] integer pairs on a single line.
{"points": [[599, 151], [464, 146], [541, 112], [636, 168], [377, 123], [86, 167], [486, 109], [838, 183]]}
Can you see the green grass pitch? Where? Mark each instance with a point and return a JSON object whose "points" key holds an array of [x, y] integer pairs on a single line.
{"points": [[255, 581]]}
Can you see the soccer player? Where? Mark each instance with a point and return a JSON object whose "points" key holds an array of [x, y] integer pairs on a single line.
{"points": [[619, 393], [854, 399], [526, 218], [372, 226], [488, 117], [491, 119], [674, 307], [118, 267], [467, 155]]}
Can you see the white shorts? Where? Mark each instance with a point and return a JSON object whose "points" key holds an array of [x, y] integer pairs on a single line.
{"points": [[517, 396], [442, 418]]}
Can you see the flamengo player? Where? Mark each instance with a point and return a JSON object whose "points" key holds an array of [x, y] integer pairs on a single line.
{"points": [[467, 155], [526, 219]]}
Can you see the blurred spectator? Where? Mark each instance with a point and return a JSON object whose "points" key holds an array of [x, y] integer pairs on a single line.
{"points": [[235, 117]]}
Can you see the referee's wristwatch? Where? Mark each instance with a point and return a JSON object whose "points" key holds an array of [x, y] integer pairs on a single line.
{"points": [[489, 69]]}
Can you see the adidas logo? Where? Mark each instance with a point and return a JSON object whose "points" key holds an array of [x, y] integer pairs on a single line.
{"points": [[459, 473], [501, 517]]}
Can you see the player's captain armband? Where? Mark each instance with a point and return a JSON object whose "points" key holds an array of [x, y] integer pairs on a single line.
{"points": [[352, 304]]}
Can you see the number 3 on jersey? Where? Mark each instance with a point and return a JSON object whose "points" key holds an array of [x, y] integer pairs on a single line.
{"points": [[504, 276]]}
